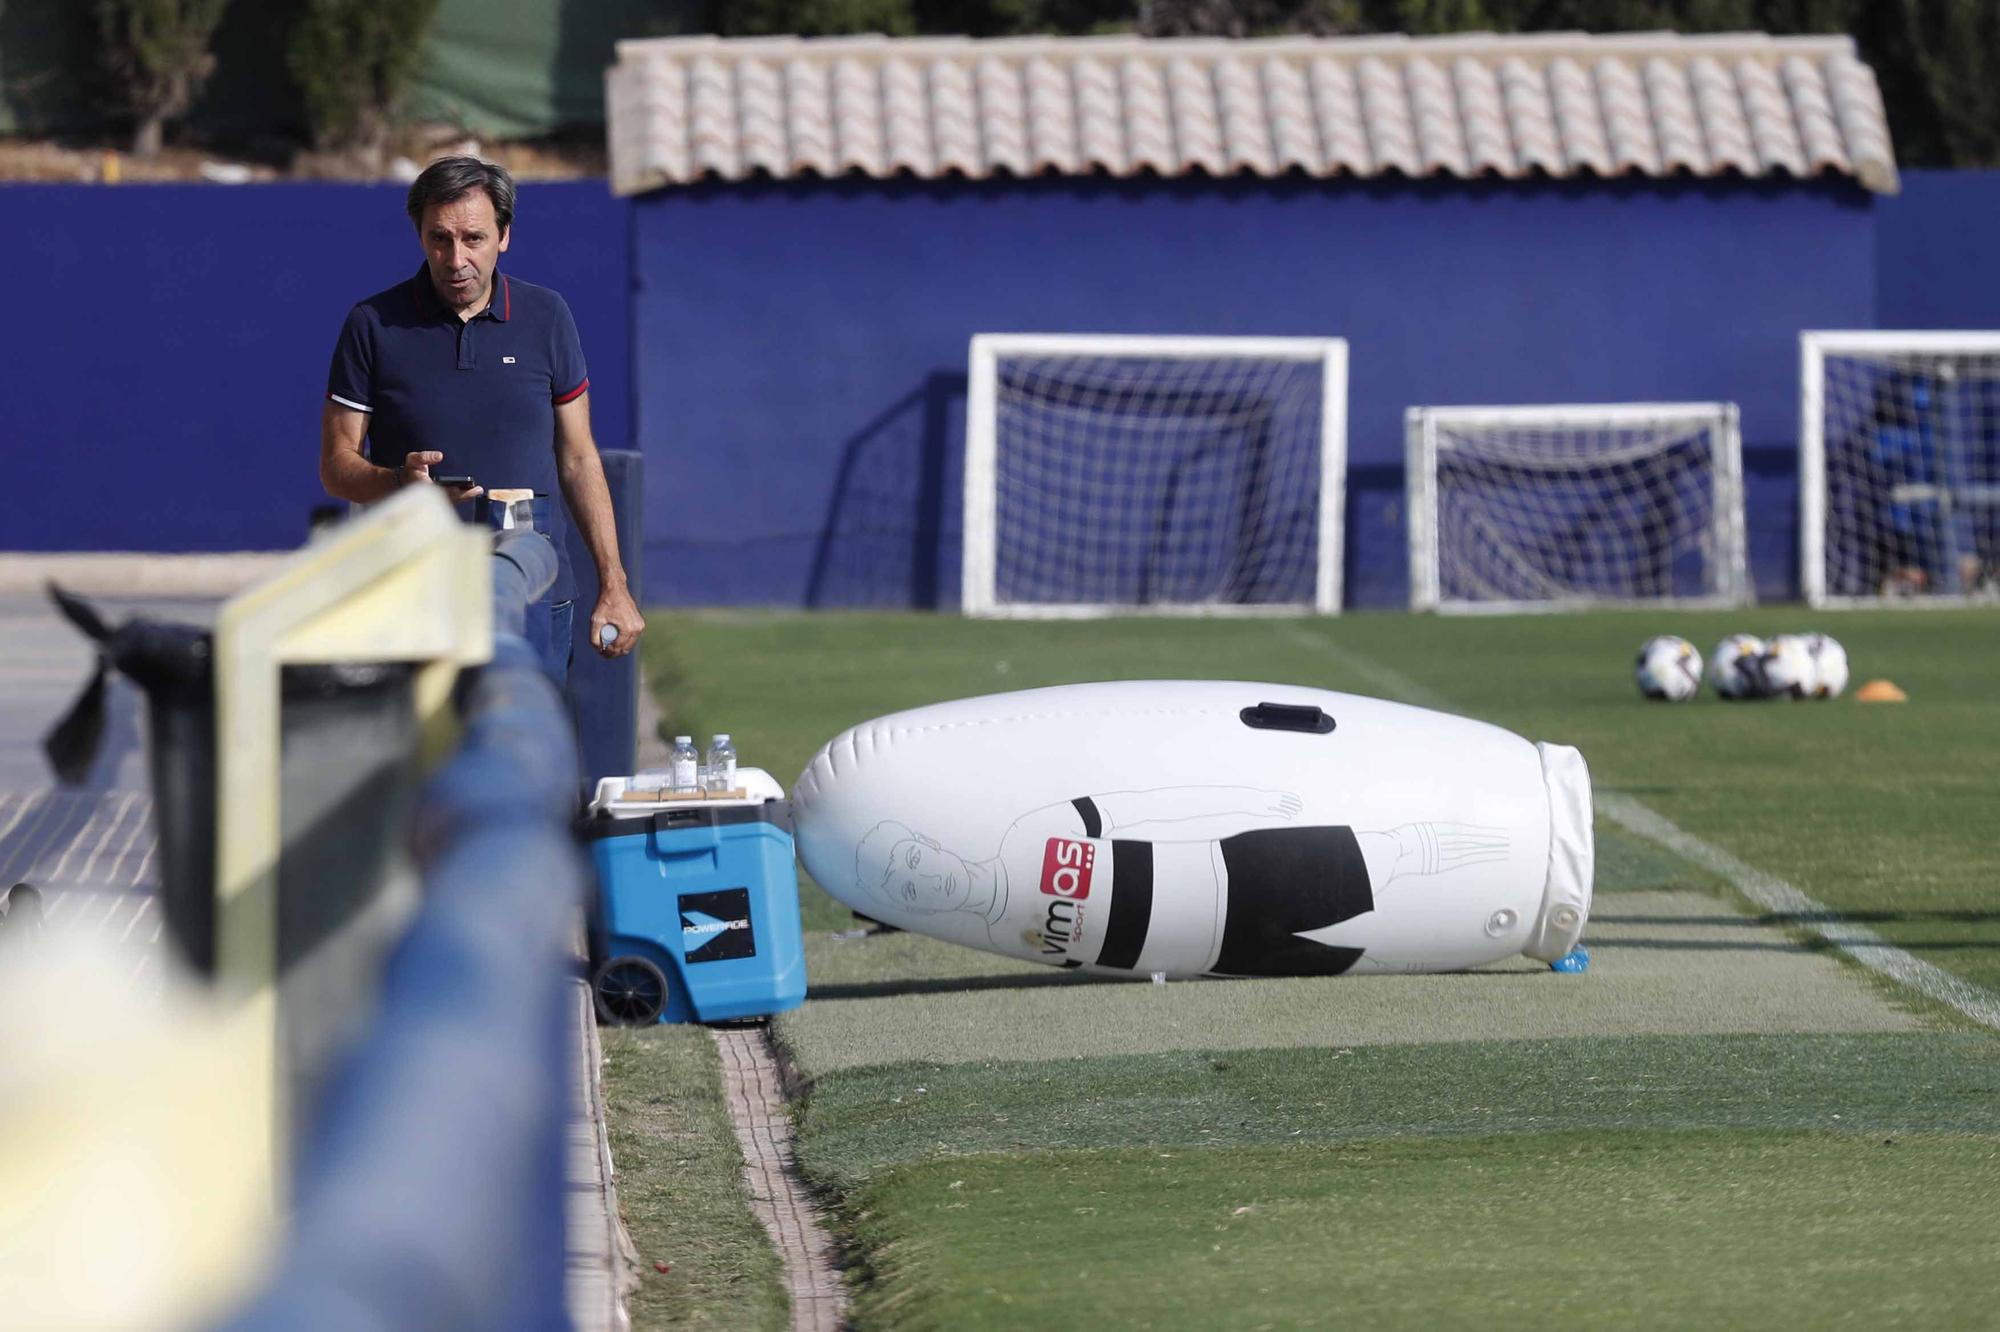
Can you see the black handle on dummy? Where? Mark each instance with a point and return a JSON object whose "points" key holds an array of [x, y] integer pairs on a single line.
{"points": [[1287, 717]]}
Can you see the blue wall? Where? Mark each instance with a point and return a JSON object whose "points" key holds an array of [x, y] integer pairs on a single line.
{"points": [[167, 355], [801, 346], [1938, 265], [793, 364]]}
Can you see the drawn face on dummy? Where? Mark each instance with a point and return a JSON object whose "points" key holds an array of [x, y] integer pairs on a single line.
{"points": [[916, 874]]}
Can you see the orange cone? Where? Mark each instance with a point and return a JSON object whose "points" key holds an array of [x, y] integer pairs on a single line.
{"points": [[1880, 691]]}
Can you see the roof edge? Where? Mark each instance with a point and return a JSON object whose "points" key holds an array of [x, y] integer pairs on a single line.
{"points": [[1545, 44]]}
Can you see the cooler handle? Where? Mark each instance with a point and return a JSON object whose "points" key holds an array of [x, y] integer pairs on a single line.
{"points": [[692, 833]]}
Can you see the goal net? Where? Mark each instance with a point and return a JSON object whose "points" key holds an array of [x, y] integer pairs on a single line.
{"points": [[1899, 468], [1549, 508], [1108, 474]]}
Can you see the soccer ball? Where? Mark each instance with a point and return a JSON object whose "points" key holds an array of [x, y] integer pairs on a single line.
{"points": [[1735, 667], [1669, 668], [1829, 665], [1787, 667]]}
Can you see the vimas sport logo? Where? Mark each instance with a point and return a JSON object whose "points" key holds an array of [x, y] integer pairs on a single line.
{"points": [[1066, 870], [715, 927], [1066, 866]]}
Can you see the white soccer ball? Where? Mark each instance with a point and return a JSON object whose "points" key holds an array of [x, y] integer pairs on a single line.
{"points": [[1669, 668], [1787, 667], [1829, 665], [1735, 668]]}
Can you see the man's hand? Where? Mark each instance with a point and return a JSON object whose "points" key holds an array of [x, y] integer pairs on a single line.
{"points": [[417, 469], [615, 608], [1276, 805]]}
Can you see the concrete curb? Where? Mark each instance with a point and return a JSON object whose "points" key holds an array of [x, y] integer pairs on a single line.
{"points": [[138, 574], [602, 1264]]}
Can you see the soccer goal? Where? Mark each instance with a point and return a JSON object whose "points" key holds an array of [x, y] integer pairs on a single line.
{"points": [[1899, 468], [1153, 475], [1556, 508]]}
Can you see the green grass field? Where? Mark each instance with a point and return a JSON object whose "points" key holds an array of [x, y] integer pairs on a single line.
{"points": [[1725, 1121]]}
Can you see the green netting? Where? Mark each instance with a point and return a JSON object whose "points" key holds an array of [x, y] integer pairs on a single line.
{"points": [[46, 56], [499, 68], [522, 67]]}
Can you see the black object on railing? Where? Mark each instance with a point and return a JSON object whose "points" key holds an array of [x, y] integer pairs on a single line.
{"points": [[348, 774], [346, 729]]}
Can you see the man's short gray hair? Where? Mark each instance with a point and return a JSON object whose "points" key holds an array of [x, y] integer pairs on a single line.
{"points": [[450, 179]]}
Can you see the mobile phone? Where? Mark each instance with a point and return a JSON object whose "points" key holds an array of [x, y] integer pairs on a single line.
{"points": [[459, 482]]}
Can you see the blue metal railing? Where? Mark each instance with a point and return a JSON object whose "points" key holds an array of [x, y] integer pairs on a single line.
{"points": [[430, 1193]]}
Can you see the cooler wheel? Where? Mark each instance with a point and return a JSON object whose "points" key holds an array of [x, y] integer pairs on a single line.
{"points": [[630, 992]]}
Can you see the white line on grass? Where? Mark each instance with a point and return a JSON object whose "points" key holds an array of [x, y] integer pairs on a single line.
{"points": [[1768, 891], [1773, 894]]}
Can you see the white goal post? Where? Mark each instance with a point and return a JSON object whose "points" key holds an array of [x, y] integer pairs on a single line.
{"points": [[1899, 468], [1528, 508], [1118, 474]]}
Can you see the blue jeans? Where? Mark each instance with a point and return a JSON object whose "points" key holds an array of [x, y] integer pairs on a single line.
{"points": [[550, 630]]}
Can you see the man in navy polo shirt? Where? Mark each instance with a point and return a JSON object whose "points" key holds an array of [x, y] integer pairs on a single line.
{"points": [[462, 371]]}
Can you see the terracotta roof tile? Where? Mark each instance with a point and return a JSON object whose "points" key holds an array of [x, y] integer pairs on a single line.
{"points": [[1812, 112], [761, 104], [1051, 117], [809, 122], [1385, 111], [1627, 118], [1557, 104], [1287, 103], [1003, 119], [906, 115], [1769, 115], [1580, 121], [1676, 127], [857, 117], [1527, 113], [1489, 137], [955, 119], [1343, 132]]}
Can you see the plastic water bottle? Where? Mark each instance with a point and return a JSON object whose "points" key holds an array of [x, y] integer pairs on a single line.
{"points": [[721, 774], [686, 762]]}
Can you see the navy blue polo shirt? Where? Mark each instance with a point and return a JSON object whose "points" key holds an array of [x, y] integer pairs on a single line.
{"points": [[482, 391]]}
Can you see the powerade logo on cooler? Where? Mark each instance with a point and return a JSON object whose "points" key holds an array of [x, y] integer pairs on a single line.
{"points": [[715, 927], [1066, 869]]}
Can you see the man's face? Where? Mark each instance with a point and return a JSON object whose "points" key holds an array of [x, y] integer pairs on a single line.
{"points": [[462, 243], [927, 878]]}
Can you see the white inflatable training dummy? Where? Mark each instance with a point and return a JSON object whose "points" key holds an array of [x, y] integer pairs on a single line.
{"points": [[1204, 828]]}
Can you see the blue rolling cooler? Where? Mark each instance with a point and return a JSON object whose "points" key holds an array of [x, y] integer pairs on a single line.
{"points": [[697, 911]]}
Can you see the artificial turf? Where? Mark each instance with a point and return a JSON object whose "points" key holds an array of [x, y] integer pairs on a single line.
{"points": [[1640, 1229], [1629, 1180], [1879, 811], [866, 1122]]}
